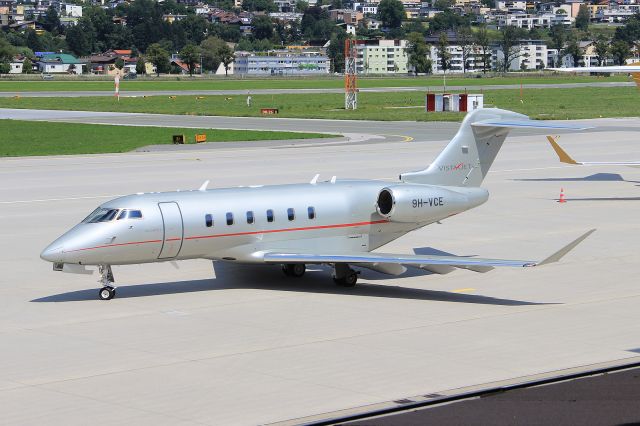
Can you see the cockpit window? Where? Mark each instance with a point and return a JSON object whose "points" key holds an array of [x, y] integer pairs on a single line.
{"points": [[101, 215], [130, 214]]}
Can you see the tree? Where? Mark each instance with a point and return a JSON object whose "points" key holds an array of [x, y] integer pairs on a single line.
{"points": [[418, 54], [190, 55], [602, 49], [27, 66], [262, 27], [141, 67], [558, 35], [448, 20], [583, 18], [7, 51], [259, 6], [335, 52], [508, 44], [301, 6], [5, 67], [443, 53], [620, 51], [482, 41], [119, 63], [442, 4], [227, 57], [391, 13], [465, 40], [159, 57], [51, 21], [573, 49], [210, 48], [33, 41]]}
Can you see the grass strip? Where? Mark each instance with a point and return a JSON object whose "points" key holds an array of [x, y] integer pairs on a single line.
{"points": [[556, 104], [25, 138], [186, 83]]}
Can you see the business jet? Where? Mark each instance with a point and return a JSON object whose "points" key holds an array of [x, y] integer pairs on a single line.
{"points": [[336, 222], [633, 69], [566, 158]]}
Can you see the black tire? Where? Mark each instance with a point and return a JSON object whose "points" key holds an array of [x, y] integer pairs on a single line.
{"points": [[294, 269], [106, 293], [349, 280], [298, 269]]}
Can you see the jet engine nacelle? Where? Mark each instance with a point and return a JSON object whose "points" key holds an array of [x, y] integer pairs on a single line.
{"points": [[425, 203]]}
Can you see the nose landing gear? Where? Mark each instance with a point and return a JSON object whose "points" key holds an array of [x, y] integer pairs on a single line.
{"points": [[108, 290]]}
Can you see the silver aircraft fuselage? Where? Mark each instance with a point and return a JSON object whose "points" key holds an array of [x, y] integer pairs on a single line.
{"points": [[247, 221]]}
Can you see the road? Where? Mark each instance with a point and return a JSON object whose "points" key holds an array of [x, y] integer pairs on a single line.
{"points": [[245, 346], [470, 88]]}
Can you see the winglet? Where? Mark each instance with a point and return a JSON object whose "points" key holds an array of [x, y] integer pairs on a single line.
{"points": [[564, 250], [315, 179], [562, 154]]}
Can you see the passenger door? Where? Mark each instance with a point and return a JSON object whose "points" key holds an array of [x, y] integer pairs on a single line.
{"points": [[173, 230]]}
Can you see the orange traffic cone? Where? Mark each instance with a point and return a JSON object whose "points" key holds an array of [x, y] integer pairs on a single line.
{"points": [[561, 199]]}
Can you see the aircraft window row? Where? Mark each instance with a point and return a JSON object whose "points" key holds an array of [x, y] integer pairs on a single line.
{"points": [[291, 215]]}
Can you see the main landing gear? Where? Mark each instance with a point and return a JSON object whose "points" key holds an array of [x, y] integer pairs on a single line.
{"points": [[343, 275], [108, 290], [294, 269]]}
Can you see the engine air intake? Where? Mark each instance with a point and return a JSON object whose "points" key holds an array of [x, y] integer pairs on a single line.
{"points": [[385, 202]]}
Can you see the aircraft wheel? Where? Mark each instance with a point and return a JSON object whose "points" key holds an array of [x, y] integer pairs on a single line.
{"points": [[294, 269], [348, 280], [107, 293]]}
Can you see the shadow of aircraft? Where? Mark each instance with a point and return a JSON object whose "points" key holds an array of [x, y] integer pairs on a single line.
{"points": [[316, 280], [598, 177]]}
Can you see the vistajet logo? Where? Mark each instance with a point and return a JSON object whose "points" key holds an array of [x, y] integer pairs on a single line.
{"points": [[455, 167]]}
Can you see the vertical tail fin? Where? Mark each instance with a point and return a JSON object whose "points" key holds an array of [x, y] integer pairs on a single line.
{"points": [[466, 160]]}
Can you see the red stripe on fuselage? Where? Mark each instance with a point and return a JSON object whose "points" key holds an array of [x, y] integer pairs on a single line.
{"points": [[235, 234]]}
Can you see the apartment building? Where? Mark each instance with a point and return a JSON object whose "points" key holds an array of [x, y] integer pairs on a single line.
{"points": [[382, 57], [281, 62]]}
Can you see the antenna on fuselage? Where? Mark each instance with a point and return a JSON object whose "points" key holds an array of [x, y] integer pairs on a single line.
{"points": [[315, 179], [203, 187]]}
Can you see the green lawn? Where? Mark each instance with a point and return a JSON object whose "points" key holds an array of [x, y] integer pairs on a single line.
{"points": [[22, 138], [589, 102], [185, 83]]}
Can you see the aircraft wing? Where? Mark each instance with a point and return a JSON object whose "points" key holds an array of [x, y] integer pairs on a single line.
{"points": [[528, 124], [619, 68], [414, 260], [566, 158]]}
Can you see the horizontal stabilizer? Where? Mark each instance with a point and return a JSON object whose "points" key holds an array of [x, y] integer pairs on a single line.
{"points": [[527, 124], [375, 259]]}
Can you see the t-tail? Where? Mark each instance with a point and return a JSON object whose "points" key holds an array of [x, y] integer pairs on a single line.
{"points": [[466, 160]]}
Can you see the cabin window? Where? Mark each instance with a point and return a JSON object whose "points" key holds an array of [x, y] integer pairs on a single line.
{"points": [[269, 215], [311, 211], [291, 214], [250, 218], [229, 218], [208, 220]]}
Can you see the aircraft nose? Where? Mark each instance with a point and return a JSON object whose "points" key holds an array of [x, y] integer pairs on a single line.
{"points": [[52, 253]]}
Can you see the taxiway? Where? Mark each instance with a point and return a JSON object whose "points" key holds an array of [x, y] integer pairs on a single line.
{"points": [[249, 346]]}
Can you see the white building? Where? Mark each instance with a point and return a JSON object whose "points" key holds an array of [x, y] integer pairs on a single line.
{"points": [[71, 10], [531, 55], [529, 21], [474, 59], [382, 57]]}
